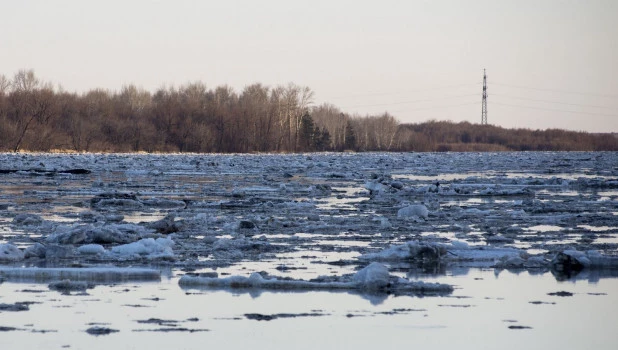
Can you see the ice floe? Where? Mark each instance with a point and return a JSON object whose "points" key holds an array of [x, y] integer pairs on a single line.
{"points": [[100, 233], [373, 278], [102, 274], [573, 260], [10, 253], [410, 211], [454, 252], [150, 248]]}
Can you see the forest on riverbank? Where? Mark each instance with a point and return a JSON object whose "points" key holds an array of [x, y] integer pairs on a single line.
{"points": [[36, 116]]}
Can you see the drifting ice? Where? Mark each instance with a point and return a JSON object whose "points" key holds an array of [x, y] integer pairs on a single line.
{"points": [[373, 278], [93, 274], [417, 210], [161, 248], [9, 252]]}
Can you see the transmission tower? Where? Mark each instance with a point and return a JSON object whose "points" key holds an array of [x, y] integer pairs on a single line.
{"points": [[484, 103]]}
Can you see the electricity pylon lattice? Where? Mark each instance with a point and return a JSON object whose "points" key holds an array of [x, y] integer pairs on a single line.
{"points": [[484, 103]]}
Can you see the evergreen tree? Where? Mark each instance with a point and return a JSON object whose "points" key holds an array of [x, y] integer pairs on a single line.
{"points": [[322, 140], [350, 137], [307, 133]]}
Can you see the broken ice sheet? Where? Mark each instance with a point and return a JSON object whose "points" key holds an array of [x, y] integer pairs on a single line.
{"points": [[374, 279], [100, 274], [298, 224]]}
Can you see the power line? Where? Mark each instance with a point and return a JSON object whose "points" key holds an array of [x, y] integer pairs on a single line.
{"points": [[553, 90], [432, 108], [409, 102], [554, 102], [555, 110], [405, 92]]}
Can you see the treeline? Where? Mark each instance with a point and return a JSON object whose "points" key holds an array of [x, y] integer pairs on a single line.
{"points": [[443, 136], [36, 116]]}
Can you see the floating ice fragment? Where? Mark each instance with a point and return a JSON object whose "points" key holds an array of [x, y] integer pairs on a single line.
{"points": [[165, 203], [87, 274], [476, 211], [574, 261], [373, 278], [246, 225], [55, 251], [375, 187], [161, 248], [109, 233], [126, 201], [9, 252], [36, 250], [397, 185], [442, 252], [91, 249], [166, 225], [384, 222], [416, 210], [511, 262], [409, 251], [27, 220]]}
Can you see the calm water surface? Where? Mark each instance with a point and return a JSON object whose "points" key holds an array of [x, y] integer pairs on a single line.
{"points": [[476, 316]]}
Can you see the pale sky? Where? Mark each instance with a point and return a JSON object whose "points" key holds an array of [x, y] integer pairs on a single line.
{"points": [[550, 63]]}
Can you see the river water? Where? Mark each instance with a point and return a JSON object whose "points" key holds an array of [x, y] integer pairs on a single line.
{"points": [[312, 215]]}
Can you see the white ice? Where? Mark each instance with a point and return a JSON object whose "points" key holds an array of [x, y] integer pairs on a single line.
{"points": [[89, 274]]}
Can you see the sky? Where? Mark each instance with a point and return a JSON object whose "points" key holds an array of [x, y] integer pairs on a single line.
{"points": [[549, 63]]}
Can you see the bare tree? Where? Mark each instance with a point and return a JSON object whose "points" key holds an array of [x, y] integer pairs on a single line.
{"points": [[254, 107], [132, 104], [25, 81], [5, 84], [32, 105]]}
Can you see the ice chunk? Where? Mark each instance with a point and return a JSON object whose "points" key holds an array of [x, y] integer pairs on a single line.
{"points": [[69, 235], [161, 248], [165, 203], [384, 222], [91, 249], [411, 250], [476, 211], [116, 233], [9, 252], [511, 262], [55, 251], [375, 187], [27, 220], [36, 250], [117, 200], [416, 210], [110, 233], [90, 274], [372, 279], [573, 260], [441, 252], [166, 225]]}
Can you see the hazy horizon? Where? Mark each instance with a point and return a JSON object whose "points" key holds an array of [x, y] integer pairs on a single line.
{"points": [[550, 64]]}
